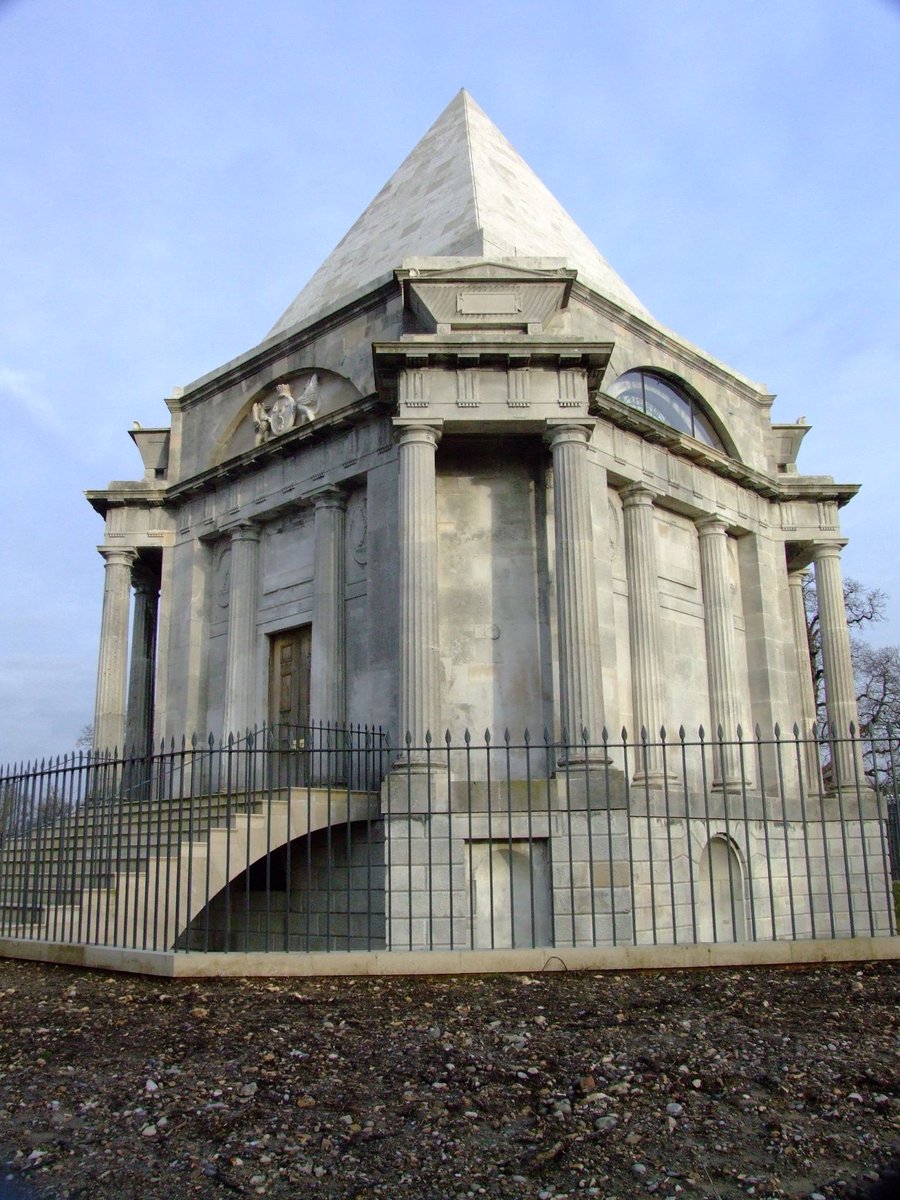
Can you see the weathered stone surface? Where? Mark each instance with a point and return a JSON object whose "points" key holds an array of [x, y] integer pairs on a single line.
{"points": [[423, 474]]}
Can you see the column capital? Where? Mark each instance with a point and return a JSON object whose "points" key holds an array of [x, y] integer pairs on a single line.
{"points": [[329, 497], [822, 550], [422, 432], [712, 526], [558, 430], [144, 580], [118, 556], [637, 494], [244, 531]]}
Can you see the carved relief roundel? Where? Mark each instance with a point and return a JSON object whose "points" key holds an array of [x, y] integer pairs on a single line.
{"points": [[613, 527], [223, 577]]}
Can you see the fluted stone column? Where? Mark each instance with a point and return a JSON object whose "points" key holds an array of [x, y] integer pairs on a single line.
{"points": [[142, 672], [109, 709], [580, 682], [720, 651], [840, 687], [807, 715], [419, 662], [644, 627], [194, 648], [328, 672], [240, 664]]}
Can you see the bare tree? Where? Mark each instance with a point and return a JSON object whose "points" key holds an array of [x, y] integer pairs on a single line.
{"points": [[864, 606], [876, 671]]}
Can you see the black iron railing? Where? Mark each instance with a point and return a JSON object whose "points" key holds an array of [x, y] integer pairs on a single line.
{"points": [[320, 838]]}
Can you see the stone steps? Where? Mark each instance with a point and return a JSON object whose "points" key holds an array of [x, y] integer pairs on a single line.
{"points": [[159, 880]]}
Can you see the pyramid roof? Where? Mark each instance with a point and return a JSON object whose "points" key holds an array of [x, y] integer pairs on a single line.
{"points": [[463, 191]]}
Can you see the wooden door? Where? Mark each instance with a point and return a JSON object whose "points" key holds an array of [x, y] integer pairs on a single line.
{"points": [[289, 658]]}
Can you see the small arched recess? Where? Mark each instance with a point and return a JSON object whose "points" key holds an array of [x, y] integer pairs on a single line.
{"points": [[721, 915]]}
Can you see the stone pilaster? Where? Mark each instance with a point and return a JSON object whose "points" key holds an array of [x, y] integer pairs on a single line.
{"points": [[644, 627], [578, 626], [328, 697], [419, 661], [142, 671], [720, 650], [241, 654], [840, 687], [109, 709]]}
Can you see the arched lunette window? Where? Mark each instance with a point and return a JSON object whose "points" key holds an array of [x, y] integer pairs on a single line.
{"points": [[663, 400]]}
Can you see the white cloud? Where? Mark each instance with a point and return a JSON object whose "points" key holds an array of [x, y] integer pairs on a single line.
{"points": [[23, 389]]}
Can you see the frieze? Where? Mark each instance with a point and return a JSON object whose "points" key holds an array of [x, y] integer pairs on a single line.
{"points": [[518, 387], [467, 389]]}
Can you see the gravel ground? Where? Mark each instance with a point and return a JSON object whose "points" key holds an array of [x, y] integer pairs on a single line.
{"points": [[766, 1083]]}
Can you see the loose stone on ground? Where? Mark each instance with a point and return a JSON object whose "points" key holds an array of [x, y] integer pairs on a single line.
{"points": [[764, 1083]]}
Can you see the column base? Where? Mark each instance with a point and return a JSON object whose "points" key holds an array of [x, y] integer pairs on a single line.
{"points": [[418, 763], [591, 785], [584, 760], [648, 779]]}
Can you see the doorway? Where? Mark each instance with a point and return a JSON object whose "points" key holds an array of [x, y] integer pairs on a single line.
{"points": [[289, 665]]}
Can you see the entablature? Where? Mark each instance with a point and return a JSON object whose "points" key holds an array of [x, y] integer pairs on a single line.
{"points": [[782, 488], [131, 493], [478, 384]]}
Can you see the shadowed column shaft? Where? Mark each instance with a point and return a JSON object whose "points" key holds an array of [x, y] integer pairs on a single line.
{"points": [[807, 715], [142, 673]]}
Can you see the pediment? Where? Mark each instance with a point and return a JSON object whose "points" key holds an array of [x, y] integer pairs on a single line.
{"points": [[489, 296]]}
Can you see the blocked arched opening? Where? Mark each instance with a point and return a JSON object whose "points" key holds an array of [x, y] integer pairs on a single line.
{"points": [[721, 913], [509, 894]]}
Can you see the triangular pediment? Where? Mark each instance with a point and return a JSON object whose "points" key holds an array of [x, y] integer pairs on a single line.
{"points": [[463, 192], [519, 296], [437, 268]]}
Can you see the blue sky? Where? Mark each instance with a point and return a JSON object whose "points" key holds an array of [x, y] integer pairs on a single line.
{"points": [[173, 172]]}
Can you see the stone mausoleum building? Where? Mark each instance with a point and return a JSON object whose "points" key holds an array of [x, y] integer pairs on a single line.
{"points": [[467, 480]]}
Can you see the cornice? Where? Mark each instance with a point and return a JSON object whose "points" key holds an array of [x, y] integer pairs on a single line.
{"points": [[451, 351], [132, 494], [772, 488], [671, 343], [280, 447]]}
